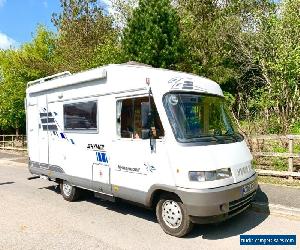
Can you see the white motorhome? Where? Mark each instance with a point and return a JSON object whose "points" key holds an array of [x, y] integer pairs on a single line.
{"points": [[160, 138]]}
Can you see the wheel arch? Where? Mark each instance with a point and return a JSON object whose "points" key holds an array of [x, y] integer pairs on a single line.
{"points": [[156, 191]]}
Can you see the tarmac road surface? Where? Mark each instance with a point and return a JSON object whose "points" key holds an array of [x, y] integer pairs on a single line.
{"points": [[33, 215]]}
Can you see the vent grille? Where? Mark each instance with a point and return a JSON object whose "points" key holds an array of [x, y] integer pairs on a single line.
{"points": [[238, 205]]}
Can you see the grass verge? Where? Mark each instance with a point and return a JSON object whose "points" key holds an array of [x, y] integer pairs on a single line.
{"points": [[279, 181]]}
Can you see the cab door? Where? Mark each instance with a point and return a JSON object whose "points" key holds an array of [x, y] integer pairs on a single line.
{"points": [[134, 164]]}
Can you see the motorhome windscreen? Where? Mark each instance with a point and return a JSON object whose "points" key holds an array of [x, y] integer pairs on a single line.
{"points": [[198, 117]]}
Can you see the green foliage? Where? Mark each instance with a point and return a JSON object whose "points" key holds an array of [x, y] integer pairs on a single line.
{"points": [[279, 149], [283, 63], [280, 164], [86, 38], [230, 100], [270, 91], [297, 148], [152, 35], [202, 31], [295, 128], [31, 61]]}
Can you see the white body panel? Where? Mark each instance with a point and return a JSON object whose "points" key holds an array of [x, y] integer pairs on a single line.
{"points": [[206, 158], [123, 162]]}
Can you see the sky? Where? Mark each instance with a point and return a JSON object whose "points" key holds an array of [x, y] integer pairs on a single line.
{"points": [[19, 19]]}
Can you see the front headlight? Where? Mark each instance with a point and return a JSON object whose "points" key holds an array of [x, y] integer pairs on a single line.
{"points": [[218, 174]]}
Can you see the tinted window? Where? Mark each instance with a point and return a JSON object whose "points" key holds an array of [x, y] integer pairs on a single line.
{"points": [[81, 115]]}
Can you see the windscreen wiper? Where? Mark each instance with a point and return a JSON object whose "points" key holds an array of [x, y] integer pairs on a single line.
{"points": [[203, 138]]}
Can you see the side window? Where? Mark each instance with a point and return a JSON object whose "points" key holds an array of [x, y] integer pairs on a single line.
{"points": [[80, 116], [129, 118]]}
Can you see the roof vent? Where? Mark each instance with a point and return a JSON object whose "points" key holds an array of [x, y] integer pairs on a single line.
{"points": [[137, 64]]}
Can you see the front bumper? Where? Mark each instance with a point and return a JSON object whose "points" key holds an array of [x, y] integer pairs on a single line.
{"points": [[217, 204]]}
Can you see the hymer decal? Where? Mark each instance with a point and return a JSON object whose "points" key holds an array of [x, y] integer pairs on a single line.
{"points": [[244, 170], [178, 83], [128, 169], [149, 167], [95, 146], [102, 158]]}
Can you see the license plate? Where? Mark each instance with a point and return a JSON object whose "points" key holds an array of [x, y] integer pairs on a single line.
{"points": [[248, 188]]}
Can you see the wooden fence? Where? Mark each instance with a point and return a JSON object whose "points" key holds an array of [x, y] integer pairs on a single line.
{"points": [[13, 142], [255, 143]]}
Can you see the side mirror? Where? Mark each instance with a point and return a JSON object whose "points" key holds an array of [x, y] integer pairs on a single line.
{"points": [[146, 117]]}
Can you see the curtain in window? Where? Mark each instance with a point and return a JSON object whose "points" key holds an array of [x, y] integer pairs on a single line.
{"points": [[119, 109]]}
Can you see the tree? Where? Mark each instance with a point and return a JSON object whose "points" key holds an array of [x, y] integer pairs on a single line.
{"points": [[31, 61], [280, 63], [86, 36], [152, 35], [267, 52], [122, 11], [201, 25], [232, 42]]}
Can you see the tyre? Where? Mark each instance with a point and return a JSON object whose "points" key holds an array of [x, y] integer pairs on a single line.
{"points": [[69, 192], [172, 216]]}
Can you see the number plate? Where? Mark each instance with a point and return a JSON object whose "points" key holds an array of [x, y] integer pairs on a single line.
{"points": [[248, 188]]}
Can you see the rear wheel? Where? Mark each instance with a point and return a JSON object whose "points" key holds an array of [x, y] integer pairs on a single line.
{"points": [[172, 216], [69, 192]]}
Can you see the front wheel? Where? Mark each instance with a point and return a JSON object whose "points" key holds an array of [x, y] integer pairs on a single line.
{"points": [[172, 216], [69, 192]]}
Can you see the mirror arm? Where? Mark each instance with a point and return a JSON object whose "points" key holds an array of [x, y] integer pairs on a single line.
{"points": [[150, 111], [150, 121]]}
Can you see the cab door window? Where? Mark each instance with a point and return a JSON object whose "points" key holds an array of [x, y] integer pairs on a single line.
{"points": [[129, 118]]}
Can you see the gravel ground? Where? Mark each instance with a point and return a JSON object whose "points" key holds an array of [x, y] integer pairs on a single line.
{"points": [[20, 157]]}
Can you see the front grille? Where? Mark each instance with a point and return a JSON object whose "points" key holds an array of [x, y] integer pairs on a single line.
{"points": [[238, 205]]}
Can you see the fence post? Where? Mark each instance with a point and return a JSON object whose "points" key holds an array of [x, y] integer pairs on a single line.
{"points": [[23, 144], [291, 150]]}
